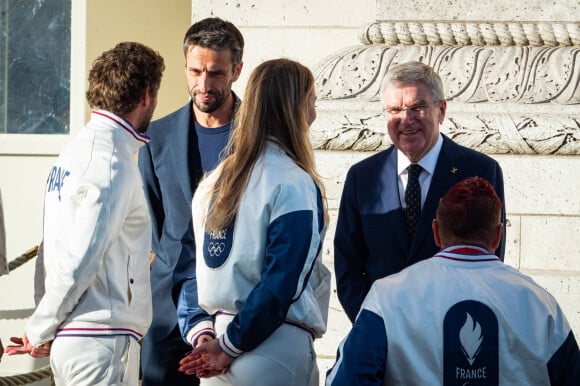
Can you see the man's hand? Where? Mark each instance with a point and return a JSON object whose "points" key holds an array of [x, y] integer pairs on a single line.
{"points": [[206, 360], [23, 346]]}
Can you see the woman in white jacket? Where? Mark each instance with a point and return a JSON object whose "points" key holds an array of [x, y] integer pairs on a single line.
{"points": [[259, 222]]}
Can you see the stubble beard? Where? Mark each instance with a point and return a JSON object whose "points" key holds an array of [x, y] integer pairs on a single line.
{"points": [[220, 98], [145, 121]]}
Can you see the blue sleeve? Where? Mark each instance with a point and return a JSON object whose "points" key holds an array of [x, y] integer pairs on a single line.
{"points": [[564, 366], [189, 313], [350, 252], [282, 281], [184, 286], [362, 357]]}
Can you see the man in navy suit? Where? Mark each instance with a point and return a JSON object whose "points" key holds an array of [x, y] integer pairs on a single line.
{"points": [[184, 145], [374, 237]]}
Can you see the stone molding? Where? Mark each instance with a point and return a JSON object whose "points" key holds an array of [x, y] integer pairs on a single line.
{"points": [[477, 34], [507, 93], [360, 126]]}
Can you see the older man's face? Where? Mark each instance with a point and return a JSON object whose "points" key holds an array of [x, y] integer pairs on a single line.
{"points": [[413, 118]]}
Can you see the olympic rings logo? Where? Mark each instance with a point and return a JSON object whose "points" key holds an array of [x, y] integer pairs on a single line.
{"points": [[215, 249]]}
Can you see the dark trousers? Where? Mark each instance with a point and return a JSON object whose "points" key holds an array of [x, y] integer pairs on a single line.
{"points": [[160, 361]]}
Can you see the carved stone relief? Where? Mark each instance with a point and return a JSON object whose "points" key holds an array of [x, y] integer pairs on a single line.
{"points": [[512, 88]]}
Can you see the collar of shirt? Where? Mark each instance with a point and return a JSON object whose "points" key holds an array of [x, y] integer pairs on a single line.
{"points": [[428, 163]]}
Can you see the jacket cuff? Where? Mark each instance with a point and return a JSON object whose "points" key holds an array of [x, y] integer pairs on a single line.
{"points": [[205, 327], [228, 347]]}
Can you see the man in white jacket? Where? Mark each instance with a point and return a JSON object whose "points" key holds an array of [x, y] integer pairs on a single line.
{"points": [[97, 232]]}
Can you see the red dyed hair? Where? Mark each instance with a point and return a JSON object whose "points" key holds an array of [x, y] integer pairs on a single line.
{"points": [[470, 211]]}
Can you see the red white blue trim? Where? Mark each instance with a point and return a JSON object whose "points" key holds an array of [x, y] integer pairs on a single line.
{"points": [[76, 332], [228, 347], [204, 331], [124, 124], [470, 253]]}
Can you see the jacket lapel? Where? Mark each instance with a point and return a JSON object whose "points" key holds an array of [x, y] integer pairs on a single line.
{"points": [[443, 177], [390, 199], [185, 155]]}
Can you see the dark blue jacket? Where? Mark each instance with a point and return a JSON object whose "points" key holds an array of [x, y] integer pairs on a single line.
{"points": [[171, 168]]}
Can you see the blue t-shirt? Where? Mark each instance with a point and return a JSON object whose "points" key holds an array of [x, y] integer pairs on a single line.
{"points": [[211, 142]]}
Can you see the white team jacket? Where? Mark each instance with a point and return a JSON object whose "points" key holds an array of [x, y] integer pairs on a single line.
{"points": [[459, 318], [97, 237], [266, 267]]}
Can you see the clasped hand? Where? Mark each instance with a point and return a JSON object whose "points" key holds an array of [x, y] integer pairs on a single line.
{"points": [[206, 360], [23, 346]]}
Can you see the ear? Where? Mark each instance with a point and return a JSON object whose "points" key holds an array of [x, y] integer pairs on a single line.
{"points": [[435, 227], [442, 110], [147, 98], [498, 235], [238, 71]]}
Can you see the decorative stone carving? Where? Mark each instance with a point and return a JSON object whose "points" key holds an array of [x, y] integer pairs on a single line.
{"points": [[512, 88], [507, 130], [476, 34]]}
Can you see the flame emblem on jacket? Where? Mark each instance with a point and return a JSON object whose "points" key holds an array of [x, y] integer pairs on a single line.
{"points": [[470, 337]]}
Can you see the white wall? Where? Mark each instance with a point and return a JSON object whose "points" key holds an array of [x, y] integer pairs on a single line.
{"points": [[302, 30]]}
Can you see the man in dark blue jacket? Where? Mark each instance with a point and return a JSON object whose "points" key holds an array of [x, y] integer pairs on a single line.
{"points": [[381, 229], [184, 145]]}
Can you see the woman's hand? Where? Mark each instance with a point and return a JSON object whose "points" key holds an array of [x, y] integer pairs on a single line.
{"points": [[206, 360]]}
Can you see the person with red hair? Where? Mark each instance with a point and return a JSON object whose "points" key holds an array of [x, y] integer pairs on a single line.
{"points": [[461, 316]]}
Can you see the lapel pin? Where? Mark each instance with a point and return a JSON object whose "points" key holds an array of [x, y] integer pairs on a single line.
{"points": [[454, 170]]}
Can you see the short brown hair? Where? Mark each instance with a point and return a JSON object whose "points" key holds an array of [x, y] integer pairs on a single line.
{"points": [[216, 34], [120, 77]]}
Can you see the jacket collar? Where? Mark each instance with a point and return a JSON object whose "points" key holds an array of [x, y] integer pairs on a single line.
{"points": [[466, 252], [105, 119]]}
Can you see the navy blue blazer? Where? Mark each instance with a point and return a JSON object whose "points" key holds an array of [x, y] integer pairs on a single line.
{"points": [[170, 165], [371, 237]]}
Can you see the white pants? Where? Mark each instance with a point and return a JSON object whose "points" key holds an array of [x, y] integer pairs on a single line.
{"points": [[91, 361], [286, 358]]}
